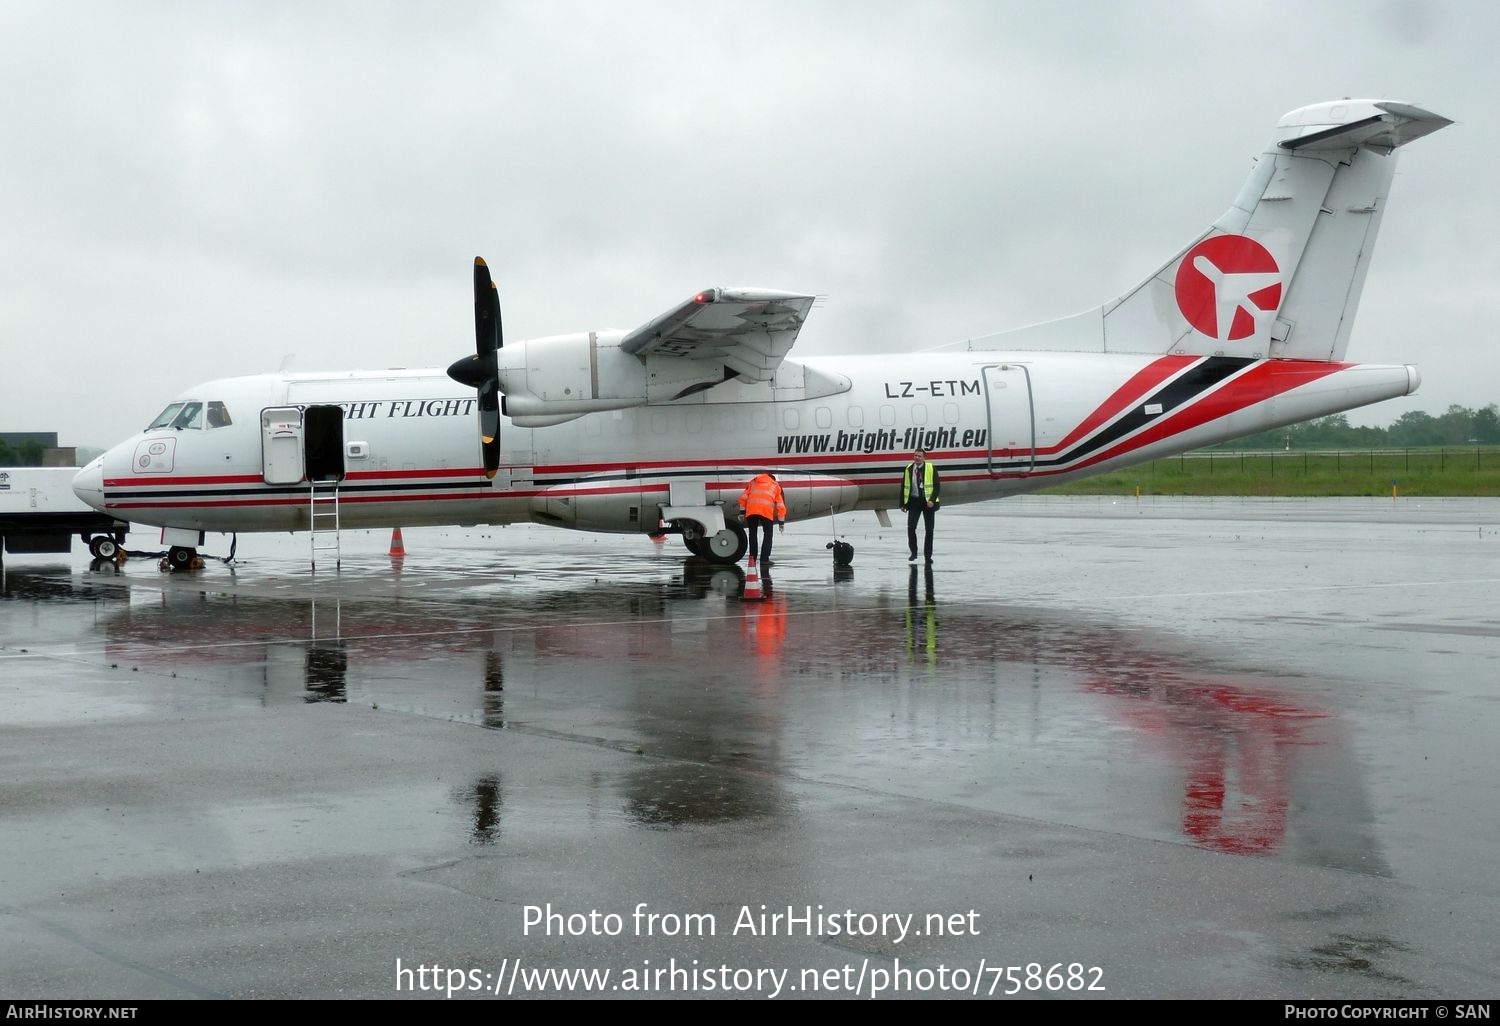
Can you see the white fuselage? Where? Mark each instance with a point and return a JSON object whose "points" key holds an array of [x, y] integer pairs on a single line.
{"points": [[836, 430], [659, 428]]}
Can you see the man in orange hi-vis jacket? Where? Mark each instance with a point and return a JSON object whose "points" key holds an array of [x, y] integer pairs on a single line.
{"points": [[762, 505]]}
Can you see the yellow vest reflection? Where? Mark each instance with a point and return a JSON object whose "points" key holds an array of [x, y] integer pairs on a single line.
{"points": [[921, 619]]}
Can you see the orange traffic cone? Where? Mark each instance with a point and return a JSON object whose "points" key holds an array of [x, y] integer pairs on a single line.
{"points": [[398, 547], [752, 585]]}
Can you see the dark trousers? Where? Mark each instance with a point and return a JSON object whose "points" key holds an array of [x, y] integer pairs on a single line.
{"points": [[919, 511], [754, 527]]}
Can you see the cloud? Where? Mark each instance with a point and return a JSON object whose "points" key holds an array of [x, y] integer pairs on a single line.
{"points": [[197, 190]]}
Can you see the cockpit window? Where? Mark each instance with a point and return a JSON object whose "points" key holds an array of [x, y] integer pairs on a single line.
{"points": [[164, 419], [190, 417]]}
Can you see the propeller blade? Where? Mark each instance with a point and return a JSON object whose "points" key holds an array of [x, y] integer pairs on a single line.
{"points": [[487, 337], [482, 370], [489, 427]]}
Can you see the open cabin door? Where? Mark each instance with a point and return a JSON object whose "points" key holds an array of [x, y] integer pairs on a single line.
{"points": [[302, 444], [323, 442], [281, 445], [1012, 419]]}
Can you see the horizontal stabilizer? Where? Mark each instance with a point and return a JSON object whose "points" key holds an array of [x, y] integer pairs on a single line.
{"points": [[1379, 125]]}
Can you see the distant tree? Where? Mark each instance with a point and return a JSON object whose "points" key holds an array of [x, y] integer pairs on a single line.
{"points": [[7, 455], [29, 453], [1415, 428], [1486, 425], [1455, 426], [1335, 432]]}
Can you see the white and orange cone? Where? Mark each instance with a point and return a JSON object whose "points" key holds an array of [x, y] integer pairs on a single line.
{"points": [[752, 585]]}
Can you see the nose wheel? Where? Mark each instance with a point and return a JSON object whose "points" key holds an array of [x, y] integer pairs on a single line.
{"points": [[180, 557]]}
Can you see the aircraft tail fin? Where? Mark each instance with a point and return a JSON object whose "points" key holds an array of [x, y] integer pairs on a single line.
{"points": [[1281, 272]]}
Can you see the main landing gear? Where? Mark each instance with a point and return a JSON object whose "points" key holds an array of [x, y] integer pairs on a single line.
{"points": [[726, 546]]}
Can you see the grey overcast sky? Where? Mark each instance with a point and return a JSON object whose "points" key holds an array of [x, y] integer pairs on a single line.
{"points": [[193, 190]]}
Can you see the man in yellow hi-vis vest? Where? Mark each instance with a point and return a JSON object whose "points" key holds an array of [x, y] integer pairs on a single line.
{"points": [[919, 497]]}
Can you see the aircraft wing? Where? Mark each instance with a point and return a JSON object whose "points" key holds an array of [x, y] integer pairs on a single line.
{"points": [[746, 331]]}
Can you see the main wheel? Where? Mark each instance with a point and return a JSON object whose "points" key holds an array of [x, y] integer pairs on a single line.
{"points": [[727, 546], [692, 537], [180, 558], [103, 548]]}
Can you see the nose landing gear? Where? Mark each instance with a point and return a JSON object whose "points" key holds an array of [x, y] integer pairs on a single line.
{"points": [[724, 547], [103, 547], [180, 557]]}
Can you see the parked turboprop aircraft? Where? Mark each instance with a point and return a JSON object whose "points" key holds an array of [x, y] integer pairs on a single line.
{"points": [[658, 429]]}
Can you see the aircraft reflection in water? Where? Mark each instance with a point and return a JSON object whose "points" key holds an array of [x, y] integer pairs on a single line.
{"points": [[257, 646], [1233, 746], [726, 699]]}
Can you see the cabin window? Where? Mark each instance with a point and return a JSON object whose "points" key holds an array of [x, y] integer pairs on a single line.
{"points": [[824, 417], [856, 416], [887, 416], [950, 413], [791, 418], [918, 414], [218, 415]]}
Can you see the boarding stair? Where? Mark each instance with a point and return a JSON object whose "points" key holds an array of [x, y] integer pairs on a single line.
{"points": [[323, 520]]}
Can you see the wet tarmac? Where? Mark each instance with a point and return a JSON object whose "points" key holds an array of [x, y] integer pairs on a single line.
{"points": [[1159, 749]]}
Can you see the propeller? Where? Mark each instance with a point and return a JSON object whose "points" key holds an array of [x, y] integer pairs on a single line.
{"points": [[481, 371]]}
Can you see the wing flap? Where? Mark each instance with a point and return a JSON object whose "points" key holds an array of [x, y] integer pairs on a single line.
{"points": [[747, 331]]}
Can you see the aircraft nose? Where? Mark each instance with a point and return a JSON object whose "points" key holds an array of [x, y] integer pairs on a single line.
{"points": [[88, 484]]}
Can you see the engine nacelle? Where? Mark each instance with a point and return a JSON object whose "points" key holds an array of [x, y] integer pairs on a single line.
{"points": [[550, 380], [570, 375]]}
